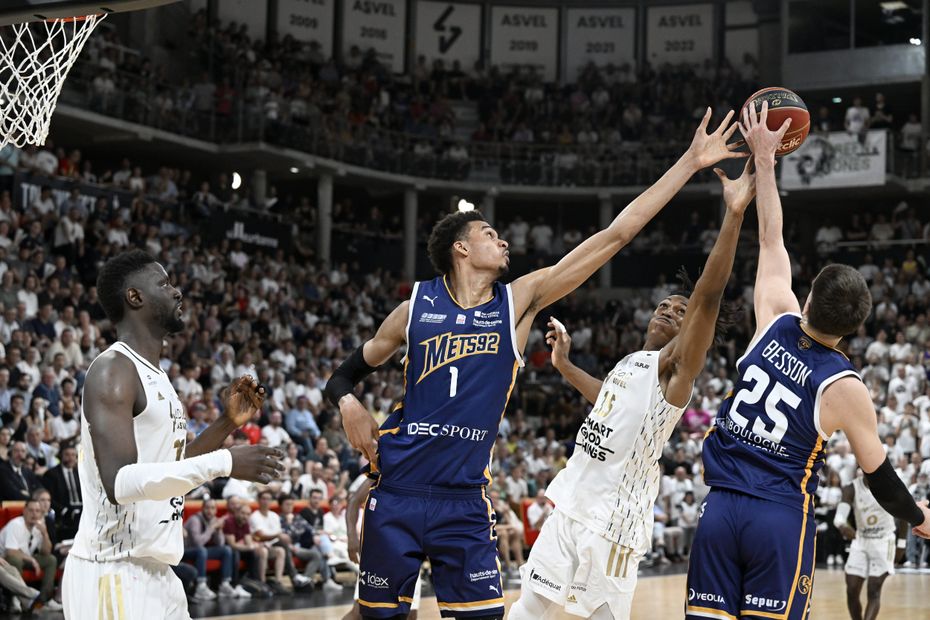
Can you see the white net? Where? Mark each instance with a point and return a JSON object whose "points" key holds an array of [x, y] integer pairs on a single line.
{"points": [[34, 61]]}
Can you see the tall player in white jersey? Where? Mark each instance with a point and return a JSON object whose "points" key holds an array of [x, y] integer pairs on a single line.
{"points": [[134, 465], [587, 554], [877, 542]]}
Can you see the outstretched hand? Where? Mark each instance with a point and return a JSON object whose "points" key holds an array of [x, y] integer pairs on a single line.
{"points": [[557, 338], [738, 193], [709, 148], [761, 140], [245, 397]]}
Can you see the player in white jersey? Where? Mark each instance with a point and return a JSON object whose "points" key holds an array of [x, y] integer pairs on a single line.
{"points": [[134, 465], [876, 543], [586, 557]]}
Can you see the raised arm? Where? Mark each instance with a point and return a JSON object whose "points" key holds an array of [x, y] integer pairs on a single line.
{"points": [[557, 337], [112, 393], [846, 405], [361, 429], [540, 288], [682, 359], [243, 398], [772, 294]]}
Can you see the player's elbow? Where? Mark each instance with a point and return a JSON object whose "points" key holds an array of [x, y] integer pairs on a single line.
{"points": [[109, 487]]}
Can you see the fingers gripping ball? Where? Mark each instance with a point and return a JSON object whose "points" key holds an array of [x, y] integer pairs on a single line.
{"points": [[783, 104]]}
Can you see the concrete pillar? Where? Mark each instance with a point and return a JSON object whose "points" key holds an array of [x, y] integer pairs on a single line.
{"points": [[487, 208], [606, 216], [324, 220], [410, 233], [259, 187]]}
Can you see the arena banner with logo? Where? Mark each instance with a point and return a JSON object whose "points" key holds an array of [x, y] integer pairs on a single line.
{"points": [[308, 20], [598, 35], [449, 31], [524, 36], [27, 188], [679, 33], [838, 159], [254, 232], [377, 24], [252, 13]]}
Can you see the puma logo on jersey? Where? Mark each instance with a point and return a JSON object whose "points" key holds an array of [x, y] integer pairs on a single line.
{"points": [[432, 302], [448, 347], [494, 589]]}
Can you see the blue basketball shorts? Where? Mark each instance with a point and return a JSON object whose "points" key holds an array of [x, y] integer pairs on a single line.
{"points": [[751, 558], [453, 528]]}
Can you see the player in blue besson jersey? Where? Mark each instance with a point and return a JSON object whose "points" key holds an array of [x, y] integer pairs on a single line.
{"points": [[465, 333], [753, 553]]}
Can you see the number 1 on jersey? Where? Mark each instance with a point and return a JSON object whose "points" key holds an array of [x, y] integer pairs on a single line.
{"points": [[454, 383]]}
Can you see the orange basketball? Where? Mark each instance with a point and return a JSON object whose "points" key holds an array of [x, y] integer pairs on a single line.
{"points": [[783, 104]]}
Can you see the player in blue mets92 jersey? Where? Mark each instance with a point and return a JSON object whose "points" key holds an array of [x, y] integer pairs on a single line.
{"points": [[465, 333], [753, 553]]}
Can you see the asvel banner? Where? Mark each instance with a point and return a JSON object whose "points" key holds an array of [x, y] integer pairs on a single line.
{"points": [[524, 36], [308, 20], [679, 33], [838, 159], [601, 36], [449, 31], [377, 24]]}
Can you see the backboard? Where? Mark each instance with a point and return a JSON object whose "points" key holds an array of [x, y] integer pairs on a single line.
{"points": [[18, 11]]}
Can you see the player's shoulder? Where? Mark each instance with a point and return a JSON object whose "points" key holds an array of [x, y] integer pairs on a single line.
{"points": [[111, 371], [109, 362]]}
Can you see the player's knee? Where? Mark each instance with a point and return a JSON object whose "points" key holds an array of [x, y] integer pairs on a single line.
{"points": [[874, 589]]}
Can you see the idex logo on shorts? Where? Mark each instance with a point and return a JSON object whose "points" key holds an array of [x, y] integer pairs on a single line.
{"points": [[374, 581]]}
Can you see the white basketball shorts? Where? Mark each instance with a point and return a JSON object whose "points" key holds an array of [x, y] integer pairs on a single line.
{"points": [[871, 557], [130, 589], [581, 570]]}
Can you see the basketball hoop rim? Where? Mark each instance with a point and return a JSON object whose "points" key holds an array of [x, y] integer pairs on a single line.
{"points": [[76, 18]]}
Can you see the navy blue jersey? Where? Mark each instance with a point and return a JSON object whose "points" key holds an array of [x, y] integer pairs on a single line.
{"points": [[460, 368], [767, 440]]}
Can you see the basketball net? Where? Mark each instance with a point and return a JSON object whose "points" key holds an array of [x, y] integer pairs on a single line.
{"points": [[35, 59]]}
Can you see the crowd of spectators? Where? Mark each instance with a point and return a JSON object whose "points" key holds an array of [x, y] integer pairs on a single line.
{"points": [[289, 321]]}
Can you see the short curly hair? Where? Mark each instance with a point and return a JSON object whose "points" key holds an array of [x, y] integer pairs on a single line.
{"points": [[729, 314], [111, 282], [447, 231]]}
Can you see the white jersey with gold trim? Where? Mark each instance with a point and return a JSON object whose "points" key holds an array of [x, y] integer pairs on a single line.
{"points": [[872, 521], [611, 481], [146, 529]]}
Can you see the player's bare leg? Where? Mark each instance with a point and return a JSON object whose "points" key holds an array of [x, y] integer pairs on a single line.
{"points": [[853, 592], [874, 594]]}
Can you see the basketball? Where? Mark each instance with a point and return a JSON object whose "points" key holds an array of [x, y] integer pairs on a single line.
{"points": [[783, 104]]}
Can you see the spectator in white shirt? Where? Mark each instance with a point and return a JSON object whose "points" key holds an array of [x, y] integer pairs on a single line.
{"points": [[274, 433], [266, 529], [901, 351], [313, 480], [857, 117], [25, 543], [539, 510]]}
